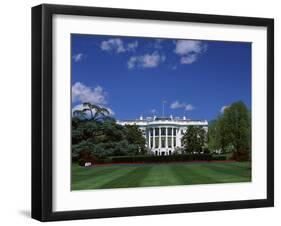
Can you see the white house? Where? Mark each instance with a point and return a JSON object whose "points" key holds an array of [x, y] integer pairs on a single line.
{"points": [[163, 134]]}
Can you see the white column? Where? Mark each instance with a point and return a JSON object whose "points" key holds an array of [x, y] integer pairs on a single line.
{"points": [[153, 145], [160, 138], [176, 137], [179, 137], [173, 145], [149, 138], [166, 137]]}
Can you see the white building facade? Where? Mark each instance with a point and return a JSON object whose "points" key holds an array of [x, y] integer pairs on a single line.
{"points": [[163, 134]]}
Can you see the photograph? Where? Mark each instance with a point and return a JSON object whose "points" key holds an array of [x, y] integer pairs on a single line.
{"points": [[150, 111], [144, 112]]}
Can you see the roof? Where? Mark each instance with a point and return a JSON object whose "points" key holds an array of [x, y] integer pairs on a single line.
{"points": [[168, 120], [163, 118]]}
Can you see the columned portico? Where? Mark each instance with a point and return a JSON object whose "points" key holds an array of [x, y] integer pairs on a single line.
{"points": [[162, 139]]}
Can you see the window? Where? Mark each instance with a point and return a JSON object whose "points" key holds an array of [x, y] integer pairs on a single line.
{"points": [[151, 142], [174, 141], [156, 142], [169, 131], [175, 131], [169, 142], [151, 131], [156, 131], [163, 142], [163, 131]]}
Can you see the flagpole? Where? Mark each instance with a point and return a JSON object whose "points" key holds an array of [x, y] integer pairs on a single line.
{"points": [[163, 110]]}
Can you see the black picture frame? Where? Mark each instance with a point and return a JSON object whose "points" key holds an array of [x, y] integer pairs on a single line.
{"points": [[42, 111]]}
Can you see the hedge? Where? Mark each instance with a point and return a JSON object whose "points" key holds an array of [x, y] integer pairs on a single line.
{"points": [[153, 159], [157, 159], [219, 157]]}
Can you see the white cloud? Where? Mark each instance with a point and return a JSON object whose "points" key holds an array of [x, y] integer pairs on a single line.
{"points": [[83, 93], [153, 111], [78, 57], [146, 60], [189, 50], [176, 105], [186, 107], [184, 47], [158, 43], [117, 45], [223, 108], [132, 46], [188, 59]]}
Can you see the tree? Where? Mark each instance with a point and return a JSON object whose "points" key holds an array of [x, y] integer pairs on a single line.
{"points": [[231, 131], [214, 136], [235, 126], [194, 139], [134, 136], [102, 137], [84, 147], [79, 114], [96, 112]]}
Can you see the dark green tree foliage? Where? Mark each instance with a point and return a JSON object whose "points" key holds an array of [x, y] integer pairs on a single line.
{"points": [[101, 136], [134, 137], [194, 139], [96, 112]]}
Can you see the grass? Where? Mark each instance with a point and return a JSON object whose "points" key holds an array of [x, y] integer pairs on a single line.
{"points": [[146, 175]]}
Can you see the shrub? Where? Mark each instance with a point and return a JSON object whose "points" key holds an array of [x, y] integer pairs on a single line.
{"points": [[160, 159], [241, 156], [81, 162], [206, 151], [219, 157], [87, 157]]}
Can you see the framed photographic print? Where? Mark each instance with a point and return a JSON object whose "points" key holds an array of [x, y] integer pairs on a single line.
{"points": [[145, 112]]}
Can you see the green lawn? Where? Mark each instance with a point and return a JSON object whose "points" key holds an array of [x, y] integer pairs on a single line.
{"points": [[124, 176]]}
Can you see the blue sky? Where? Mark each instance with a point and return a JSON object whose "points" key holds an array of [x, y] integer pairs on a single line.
{"points": [[132, 76]]}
